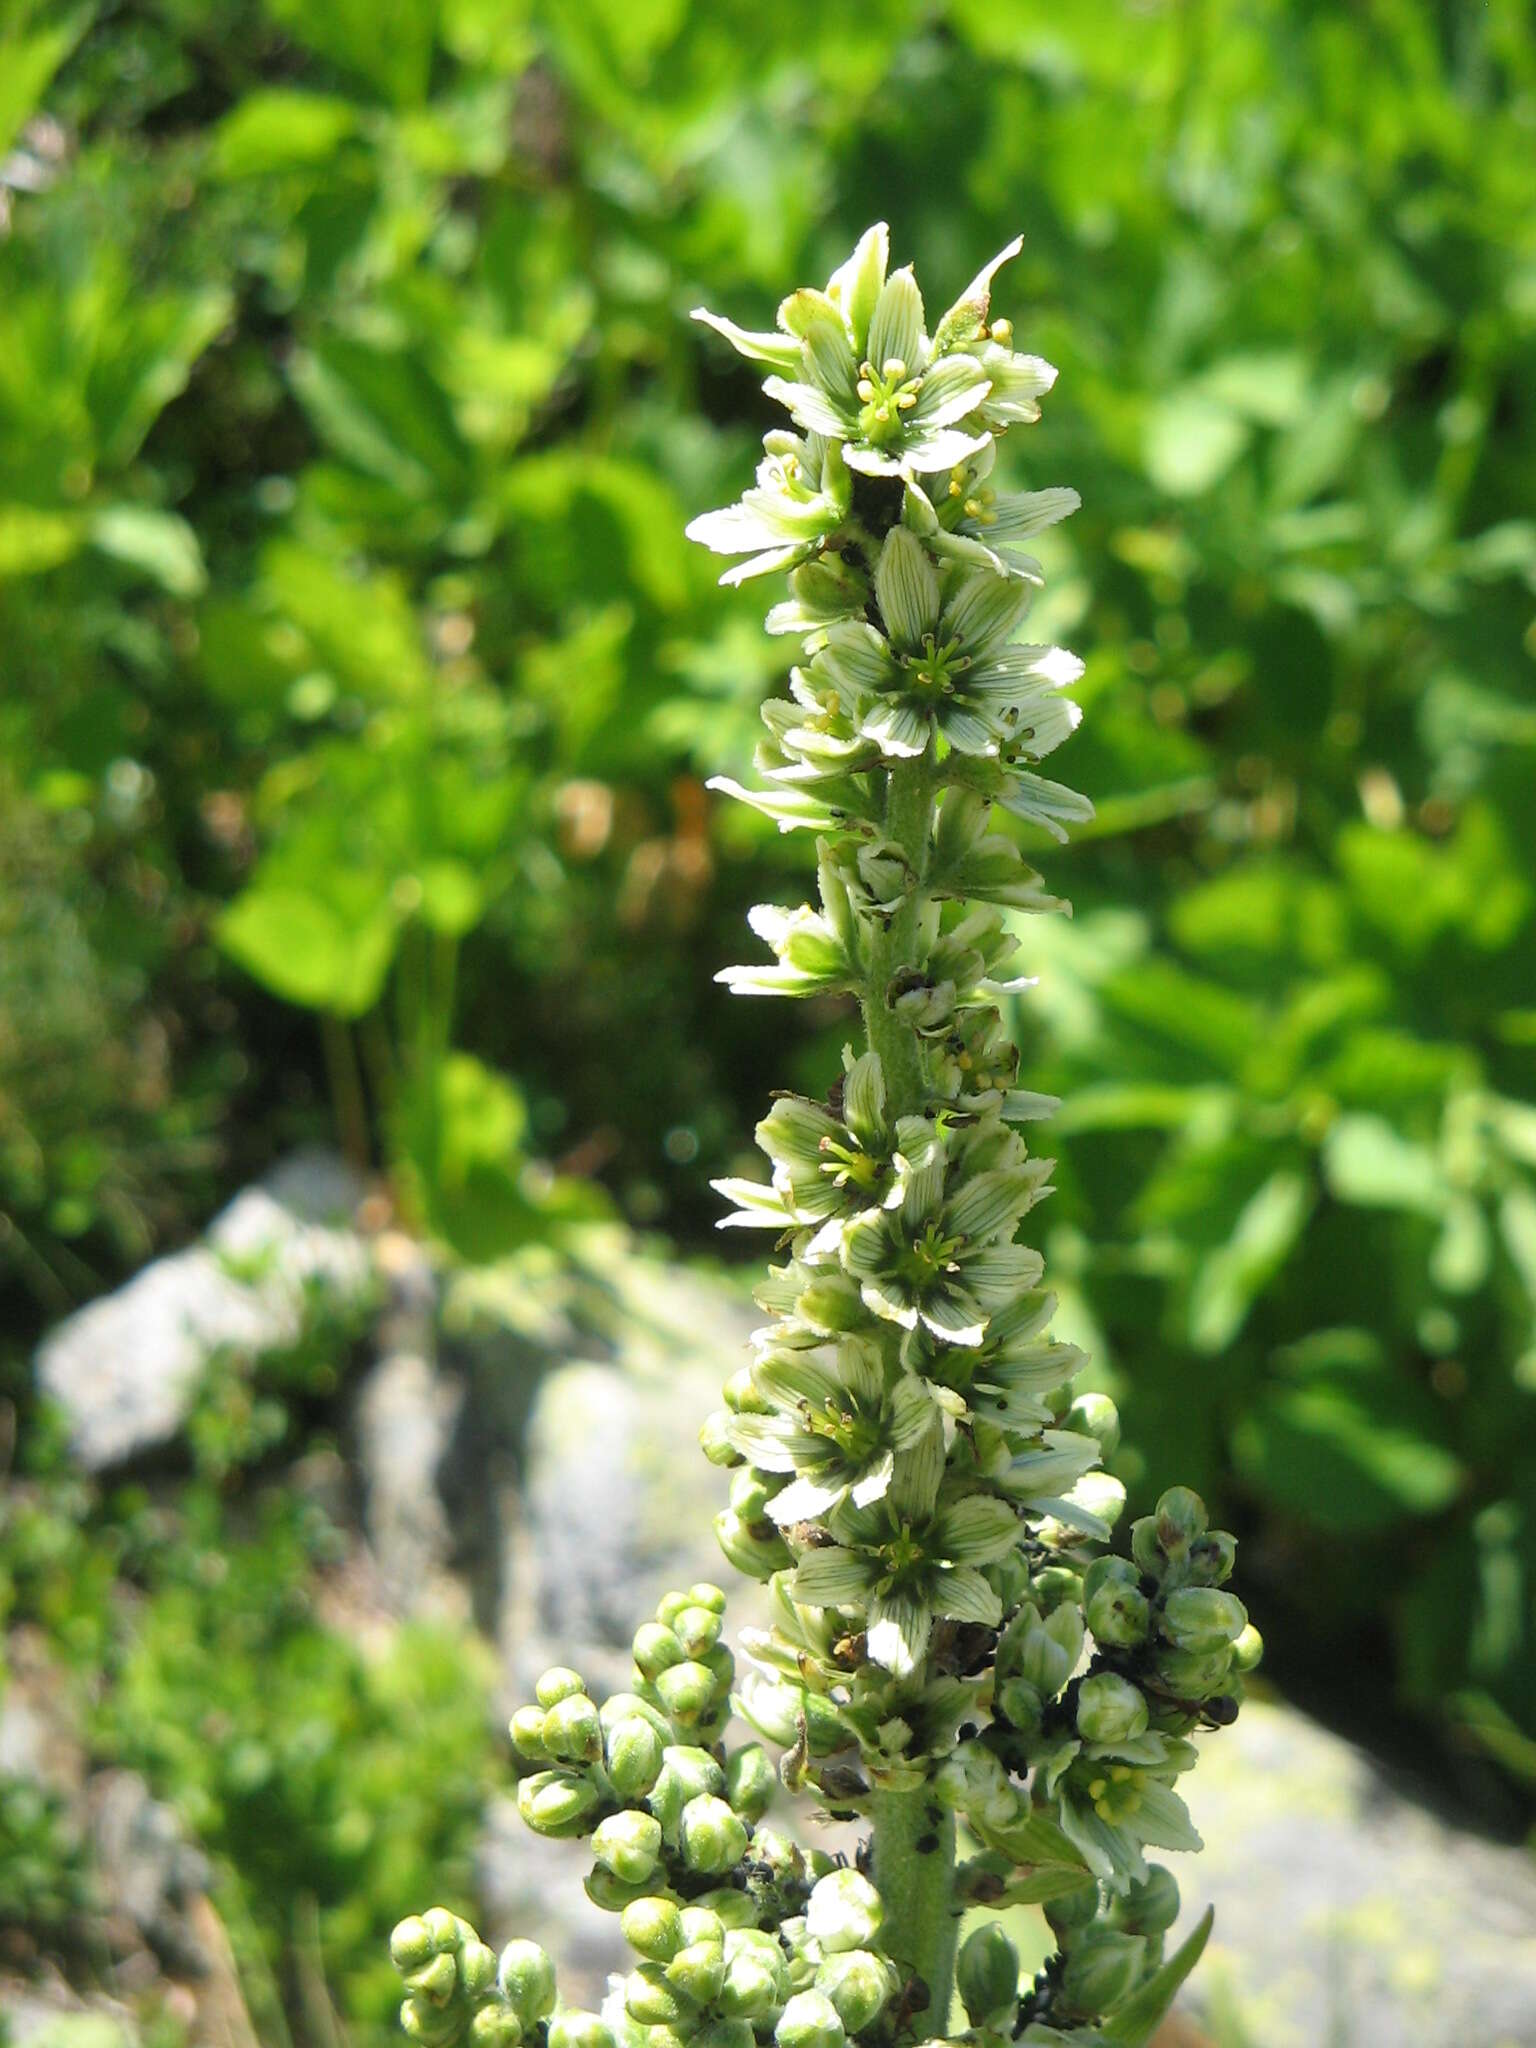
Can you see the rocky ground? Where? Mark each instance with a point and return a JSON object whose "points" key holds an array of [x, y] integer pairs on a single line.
{"points": [[536, 1469]]}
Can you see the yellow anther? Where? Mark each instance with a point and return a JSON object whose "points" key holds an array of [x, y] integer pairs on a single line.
{"points": [[973, 508], [882, 412], [1002, 330], [955, 487], [1097, 1789], [905, 400], [866, 389], [894, 369]]}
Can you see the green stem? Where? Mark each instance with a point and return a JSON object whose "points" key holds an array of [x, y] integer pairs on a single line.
{"points": [[908, 817], [914, 1873]]}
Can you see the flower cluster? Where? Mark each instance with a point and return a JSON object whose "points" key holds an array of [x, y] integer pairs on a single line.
{"points": [[949, 1635]]}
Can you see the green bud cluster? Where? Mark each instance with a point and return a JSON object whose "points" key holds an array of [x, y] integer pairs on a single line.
{"points": [[949, 1634], [458, 1990]]}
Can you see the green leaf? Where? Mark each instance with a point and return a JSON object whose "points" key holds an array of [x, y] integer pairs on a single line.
{"points": [[452, 900], [1133, 2023], [1229, 1280], [1340, 1462], [281, 130], [33, 539], [327, 952], [27, 66], [461, 1129], [1192, 440], [1366, 1162]]}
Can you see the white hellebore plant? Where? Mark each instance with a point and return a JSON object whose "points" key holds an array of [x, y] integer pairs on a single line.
{"points": [[951, 1638]]}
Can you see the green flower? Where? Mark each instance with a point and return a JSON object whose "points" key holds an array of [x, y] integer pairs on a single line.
{"points": [[901, 1572], [802, 497], [1114, 1799], [949, 666], [825, 1165], [941, 1259], [837, 1425]]}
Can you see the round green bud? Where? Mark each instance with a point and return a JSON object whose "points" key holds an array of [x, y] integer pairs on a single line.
{"points": [[576, 2029], [725, 2033], [755, 1984], [809, 2021], [628, 1844], [1009, 1578], [526, 1729], [624, 1706], [572, 1732], [755, 1555], [555, 1802], [632, 1756], [695, 1770], [1107, 1571], [1145, 1548], [1097, 1416], [1212, 1557], [656, 1649], [1071, 1911], [421, 2020], [1202, 1618], [493, 2026], [1150, 1907], [651, 2001], [1017, 1703], [525, 1977], [654, 1928], [1193, 1674], [750, 1781], [1180, 1516], [698, 1971], [686, 1690], [1110, 1709], [741, 1395], [1248, 1650], [705, 1593], [987, 1975], [1056, 1585], [751, 1492], [1102, 1966], [697, 1629], [437, 1980], [702, 1923], [558, 1684], [1049, 1649], [411, 1945], [733, 1909], [715, 1440], [477, 1968], [859, 1983], [1119, 1616], [713, 1840], [844, 1911], [445, 1930]]}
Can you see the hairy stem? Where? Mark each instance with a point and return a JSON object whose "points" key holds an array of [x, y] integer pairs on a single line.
{"points": [[908, 814], [914, 1873]]}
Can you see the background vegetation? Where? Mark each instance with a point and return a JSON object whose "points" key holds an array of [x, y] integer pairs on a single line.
{"points": [[359, 687]]}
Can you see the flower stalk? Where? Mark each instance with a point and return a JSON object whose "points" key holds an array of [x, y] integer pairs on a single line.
{"points": [[953, 1652]]}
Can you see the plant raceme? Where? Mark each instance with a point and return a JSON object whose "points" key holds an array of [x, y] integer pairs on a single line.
{"points": [[953, 1653]]}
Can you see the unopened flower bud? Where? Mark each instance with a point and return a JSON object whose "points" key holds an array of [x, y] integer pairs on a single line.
{"points": [[1048, 1649], [713, 1839], [1096, 1415], [715, 1440], [1101, 1967], [494, 2026], [1180, 1518], [1119, 1616], [687, 1691], [754, 1553], [1202, 1618], [725, 2033], [987, 1976], [429, 2024], [702, 1923], [809, 2021], [611, 1894], [1110, 1709], [1069, 1912], [1056, 1585], [698, 1971], [755, 1983], [628, 1844], [751, 1492], [1145, 1548], [572, 1732], [844, 1911], [1150, 1907], [576, 2029], [750, 1781], [656, 1649], [697, 1629], [446, 1930], [555, 1802], [859, 1983], [1017, 1703], [1107, 1571], [437, 1980], [1194, 1674], [558, 1684], [526, 1978], [650, 2000], [632, 1754], [653, 1927], [411, 1945], [741, 1395], [1248, 1650], [526, 1729], [1212, 1557]]}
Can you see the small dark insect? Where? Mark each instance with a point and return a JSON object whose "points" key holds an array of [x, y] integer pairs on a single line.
{"points": [[925, 1845]]}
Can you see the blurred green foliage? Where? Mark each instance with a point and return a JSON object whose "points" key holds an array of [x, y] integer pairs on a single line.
{"points": [[360, 684]]}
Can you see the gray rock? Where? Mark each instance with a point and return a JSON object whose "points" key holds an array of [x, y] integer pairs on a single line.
{"points": [[125, 1369], [149, 1872], [1346, 1914]]}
